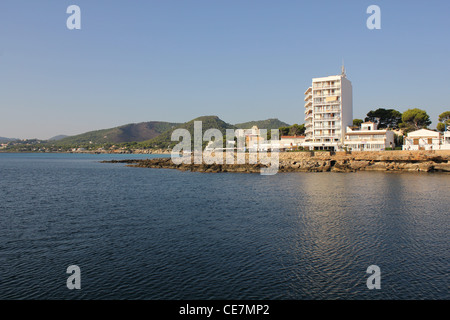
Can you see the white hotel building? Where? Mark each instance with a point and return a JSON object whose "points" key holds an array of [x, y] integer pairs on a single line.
{"points": [[328, 112]]}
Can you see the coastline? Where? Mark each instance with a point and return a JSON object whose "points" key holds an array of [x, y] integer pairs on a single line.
{"points": [[320, 161], [135, 151]]}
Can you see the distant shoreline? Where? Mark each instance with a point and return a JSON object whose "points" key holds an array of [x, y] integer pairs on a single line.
{"points": [[158, 152]]}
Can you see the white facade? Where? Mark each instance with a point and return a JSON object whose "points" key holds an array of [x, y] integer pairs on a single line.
{"points": [[328, 111], [369, 138], [445, 145], [290, 142], [447, 137], [285, 143], [422, 139]]}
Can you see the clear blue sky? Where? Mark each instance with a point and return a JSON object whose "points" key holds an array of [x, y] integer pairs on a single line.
{"points": [[174, 60]]}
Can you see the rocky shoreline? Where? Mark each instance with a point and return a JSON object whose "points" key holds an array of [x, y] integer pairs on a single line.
{"points": [[389, 161]]}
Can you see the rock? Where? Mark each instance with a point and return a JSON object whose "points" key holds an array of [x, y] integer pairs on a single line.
{"points": [[359, 165], [444, 167], [417, 161]]}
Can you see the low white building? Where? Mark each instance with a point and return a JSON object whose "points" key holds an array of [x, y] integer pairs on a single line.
{"points": [[292, 142], [422, 139], [368, 138], [446, 140]]}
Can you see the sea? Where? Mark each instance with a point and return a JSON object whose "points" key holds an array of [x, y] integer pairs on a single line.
{"points": [[161, 234]]}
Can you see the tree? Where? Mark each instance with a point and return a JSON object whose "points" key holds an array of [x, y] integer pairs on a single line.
{"points": [[440, 127], [444, 120], [357, 122], [444, 117], [385, 118], [297, 130], [284, 131], [416, 118], [294, 130], [398, 139]]}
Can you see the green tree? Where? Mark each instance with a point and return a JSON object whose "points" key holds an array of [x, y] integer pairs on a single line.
{"points": [[416, 118], [284, 131], [444, 120], [294, 130], [357, 122], [440, 127], [444, 117], [297, 130], [385, 118], [398, 139]]}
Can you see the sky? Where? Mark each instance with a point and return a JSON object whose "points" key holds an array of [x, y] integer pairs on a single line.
{"points": [[242, 60]]}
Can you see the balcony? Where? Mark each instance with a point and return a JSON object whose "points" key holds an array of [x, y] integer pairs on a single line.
{"points": [[326, 85], [326, 127], [325, 95], [335, 104], [359, 139], [335, 110], [309, 90], [308, 96], [328, 119]]}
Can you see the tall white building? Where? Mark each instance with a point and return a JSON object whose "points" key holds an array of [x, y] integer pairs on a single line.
{"points": [[328, 112]]}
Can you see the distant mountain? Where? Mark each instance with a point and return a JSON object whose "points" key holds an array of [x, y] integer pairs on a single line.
{"points": [[56, 138], [263, 124], [5, 140], [208, 122], [156, 134], [127, 133]]}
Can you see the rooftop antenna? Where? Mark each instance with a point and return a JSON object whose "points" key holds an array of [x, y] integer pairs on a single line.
{"points": [[343, 69]]}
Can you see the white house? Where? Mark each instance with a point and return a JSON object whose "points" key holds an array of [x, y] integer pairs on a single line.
{"points": [[291, 142], [446, 140], [422, 139], [368, 138]]}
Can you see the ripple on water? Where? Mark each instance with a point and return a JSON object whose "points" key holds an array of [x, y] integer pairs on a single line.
{"points": [[162, 234]]}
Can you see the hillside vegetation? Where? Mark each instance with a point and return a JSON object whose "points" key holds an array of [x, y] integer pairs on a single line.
{"points": [[153, 134], [262, 124], [128, 133], [208, 122]]}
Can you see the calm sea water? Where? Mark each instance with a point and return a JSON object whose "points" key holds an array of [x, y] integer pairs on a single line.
{"points": [[141, 233]]}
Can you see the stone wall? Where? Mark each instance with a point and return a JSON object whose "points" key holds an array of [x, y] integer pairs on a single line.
{"points": [[368, 155]]}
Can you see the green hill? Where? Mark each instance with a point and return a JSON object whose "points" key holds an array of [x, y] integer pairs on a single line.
{"points": [[6, 140], [262, 124], [126, 133], [59, 137], [208, 122], [157, 134]]}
